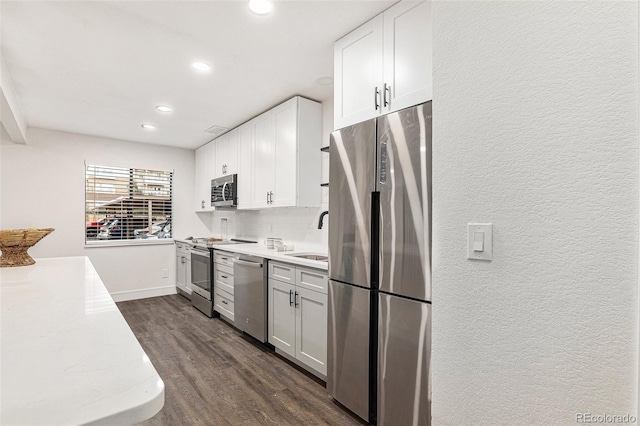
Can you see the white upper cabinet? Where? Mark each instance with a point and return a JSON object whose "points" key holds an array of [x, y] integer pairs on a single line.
{"points": [[263, 159], [245, 165], [384, 65], [226, 154], [276, 156], [407, 55], [286, 155], [358, 74], [205, 165]]}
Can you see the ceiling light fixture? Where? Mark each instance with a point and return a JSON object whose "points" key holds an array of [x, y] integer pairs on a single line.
{"points": [[148, 126], [163, 108], [200, 66], [261, 7]]}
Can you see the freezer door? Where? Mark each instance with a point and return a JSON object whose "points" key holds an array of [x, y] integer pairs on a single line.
{"points": [[352, 155], [404, 349], [348, 346], [404, 183]]}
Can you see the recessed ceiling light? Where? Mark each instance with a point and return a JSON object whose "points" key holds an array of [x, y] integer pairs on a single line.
{"points": [[325, 81], [148, 126], [163, 108], [261, 7], [200, 66]]}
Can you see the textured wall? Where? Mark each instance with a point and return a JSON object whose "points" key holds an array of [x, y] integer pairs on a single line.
{"points": [[536, 131]]}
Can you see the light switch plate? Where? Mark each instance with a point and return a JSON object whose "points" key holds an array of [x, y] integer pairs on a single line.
{"points": [[480, 236]]}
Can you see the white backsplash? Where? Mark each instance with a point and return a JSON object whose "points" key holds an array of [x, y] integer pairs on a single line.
{"points": [[294, 224]]}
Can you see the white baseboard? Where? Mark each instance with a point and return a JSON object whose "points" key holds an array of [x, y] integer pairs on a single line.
{"points": [[123, 296]]}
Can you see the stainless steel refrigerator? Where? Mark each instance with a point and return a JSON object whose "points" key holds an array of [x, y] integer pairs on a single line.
{"points": [[379, 336]]}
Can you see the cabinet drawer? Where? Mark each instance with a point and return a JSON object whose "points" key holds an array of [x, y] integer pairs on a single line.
{"points": [[312, 279], [223, 304], [223, 279], [282, 272], [223, 258]]}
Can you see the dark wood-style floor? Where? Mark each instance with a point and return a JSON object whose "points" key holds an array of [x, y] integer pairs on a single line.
{"points": [[214, 375]]}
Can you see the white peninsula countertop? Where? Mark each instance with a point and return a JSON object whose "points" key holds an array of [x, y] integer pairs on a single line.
{"points": [[67, 355]]}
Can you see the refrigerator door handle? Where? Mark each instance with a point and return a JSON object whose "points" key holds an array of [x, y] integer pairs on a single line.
{"points": [[382, 178]]}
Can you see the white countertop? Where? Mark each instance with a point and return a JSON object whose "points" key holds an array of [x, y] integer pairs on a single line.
{"points": [[259, 249], [67, 356]]}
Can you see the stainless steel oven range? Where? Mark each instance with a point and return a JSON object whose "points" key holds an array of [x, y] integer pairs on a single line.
{"points": [[201, 272]]}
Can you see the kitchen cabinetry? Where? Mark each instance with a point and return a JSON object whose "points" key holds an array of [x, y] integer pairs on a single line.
{"points": [[245, 165], [286, 140], [205, 164], [223, 284], [384, 65], [298, 314], [183, 267], [226, 161]]}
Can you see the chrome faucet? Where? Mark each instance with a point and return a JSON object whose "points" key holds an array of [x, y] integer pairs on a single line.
{"points": [[322, 215]]}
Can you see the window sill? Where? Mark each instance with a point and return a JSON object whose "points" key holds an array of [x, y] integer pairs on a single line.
{"points": [[128, 243]]}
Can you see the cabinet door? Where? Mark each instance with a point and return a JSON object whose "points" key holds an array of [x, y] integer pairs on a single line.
{"points": [[232, 152], [282, 317], [264, 159], [181, 266], [202, 181], [358, 74], [222, 152], [245, 165], [285, 119], [407, 55], [311, 329]]}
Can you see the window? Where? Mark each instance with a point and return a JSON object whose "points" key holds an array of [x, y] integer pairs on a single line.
{"points": [[127, 204]]}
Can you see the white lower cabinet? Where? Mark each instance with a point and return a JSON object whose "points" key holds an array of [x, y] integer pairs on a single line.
{"points": [[223, 285], [183, 267], [298, 317]]}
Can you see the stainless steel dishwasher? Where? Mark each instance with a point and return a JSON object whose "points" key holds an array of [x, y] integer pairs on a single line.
{"points": [[250, 295]]}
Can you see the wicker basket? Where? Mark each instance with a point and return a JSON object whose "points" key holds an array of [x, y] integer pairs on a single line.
{"points": [[14, 244]]}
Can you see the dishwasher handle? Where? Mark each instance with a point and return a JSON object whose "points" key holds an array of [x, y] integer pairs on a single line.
{"points": [[245, 263]]}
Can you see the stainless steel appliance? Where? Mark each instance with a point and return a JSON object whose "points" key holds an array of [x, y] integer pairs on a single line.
{"points": [[224, 191], [250, 295], [379, 335], [201, 270]]}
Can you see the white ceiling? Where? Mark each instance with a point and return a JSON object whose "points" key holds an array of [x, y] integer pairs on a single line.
{"points": [[100, 67]]}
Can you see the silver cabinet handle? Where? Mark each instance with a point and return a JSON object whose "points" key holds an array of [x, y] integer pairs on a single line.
{"points": [[267, 197], [225, 302], [182, 260], [290, 294], [376, 93], [271, 197], [203, 204], [295, 298], [387, 89], [224, 276]]}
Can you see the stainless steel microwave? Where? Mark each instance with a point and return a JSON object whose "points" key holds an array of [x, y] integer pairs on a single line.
{"points": [[224, 191]]}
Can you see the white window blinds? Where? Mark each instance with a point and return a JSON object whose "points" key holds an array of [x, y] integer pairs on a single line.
{"points": [[127, 203]]}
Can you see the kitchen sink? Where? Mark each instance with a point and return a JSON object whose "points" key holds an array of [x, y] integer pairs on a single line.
{"points": [[310, 256]]}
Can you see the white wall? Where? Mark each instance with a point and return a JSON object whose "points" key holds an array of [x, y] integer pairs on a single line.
{"points": [[42, 185], [535, 130]]}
